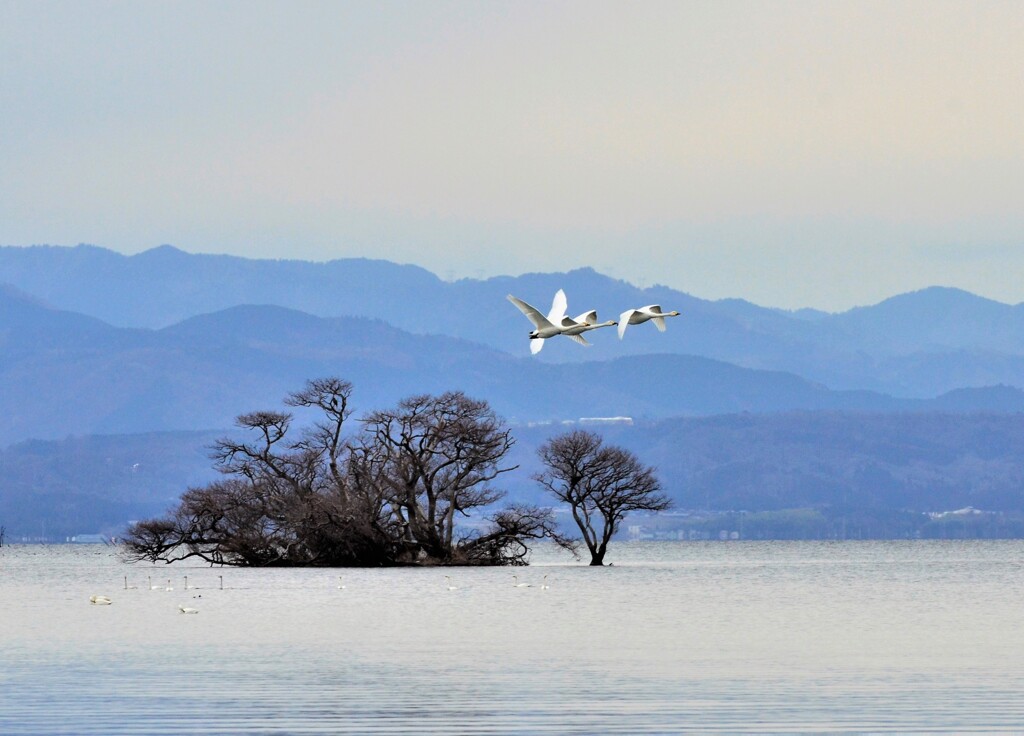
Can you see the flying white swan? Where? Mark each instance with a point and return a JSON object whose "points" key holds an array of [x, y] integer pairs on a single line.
{"points": [[549, 326], [639, 316], [186, 609], [584, 323], [100, 600], [517, 584], [450, 586]]}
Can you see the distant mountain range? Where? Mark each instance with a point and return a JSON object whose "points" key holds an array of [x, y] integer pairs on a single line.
{"points": [[919, 345], [67, 374], [117, 372]]}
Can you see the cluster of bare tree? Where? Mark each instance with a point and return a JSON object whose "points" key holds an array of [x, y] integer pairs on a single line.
{"points": [[392, 493]]}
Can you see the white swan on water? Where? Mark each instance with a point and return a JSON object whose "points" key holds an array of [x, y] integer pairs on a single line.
{"points": [[149, 580], [651, 312], [168, 588], [100, 600], [517, 584], [544, 583], [341, 585], [450, 586], [186, 609], [126, 586]]}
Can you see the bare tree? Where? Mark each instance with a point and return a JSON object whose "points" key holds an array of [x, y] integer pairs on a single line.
{"points": [[392, 494], [285, 501], [433, 458], [600, 483]]}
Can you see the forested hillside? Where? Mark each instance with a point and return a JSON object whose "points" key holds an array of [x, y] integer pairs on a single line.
{"points": [[852, 466]]}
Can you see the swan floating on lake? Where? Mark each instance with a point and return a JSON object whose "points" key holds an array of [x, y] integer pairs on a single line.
{"points": [[149, 580], [450, 586], [341, 586], [186, 609], [517, 584], [651, 312], [544, 583], [550, 326], [168, 588], [126, 586], [100, 600]]}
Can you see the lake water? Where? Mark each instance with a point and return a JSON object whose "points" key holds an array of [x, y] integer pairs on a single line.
{"points": [[735, 637]]}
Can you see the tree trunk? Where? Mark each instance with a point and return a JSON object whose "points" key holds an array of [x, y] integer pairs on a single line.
{"points": [[597, 558]]}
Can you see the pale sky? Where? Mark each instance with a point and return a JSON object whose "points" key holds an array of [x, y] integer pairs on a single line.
{"points": [[822, 154]]}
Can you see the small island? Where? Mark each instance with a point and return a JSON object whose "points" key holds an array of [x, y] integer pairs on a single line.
{"points": [[390, 493]]}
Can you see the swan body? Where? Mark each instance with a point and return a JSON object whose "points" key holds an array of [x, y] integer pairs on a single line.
{"points": [[186, 609], [517, 584], [100, 600], [651, 312], [450, 586], [584, 323]]}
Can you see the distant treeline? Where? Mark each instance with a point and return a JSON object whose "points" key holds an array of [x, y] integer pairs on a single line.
{"points": [[878, 472], [906, 461], [831, 523]]}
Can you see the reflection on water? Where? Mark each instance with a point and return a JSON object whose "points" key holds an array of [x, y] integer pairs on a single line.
{"points": [[676, 637]]}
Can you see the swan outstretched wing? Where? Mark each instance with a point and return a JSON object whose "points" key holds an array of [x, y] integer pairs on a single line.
{"points": [[580, 339], [659, 322], [539, 320], [588, 318], [624, 321], [536, 344], [558, 306]]}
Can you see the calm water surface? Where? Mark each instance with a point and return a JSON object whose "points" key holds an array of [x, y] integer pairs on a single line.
{"points": [[741, 637]]}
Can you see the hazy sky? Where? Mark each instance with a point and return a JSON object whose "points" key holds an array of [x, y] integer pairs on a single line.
{"points": [[818, 154]]}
